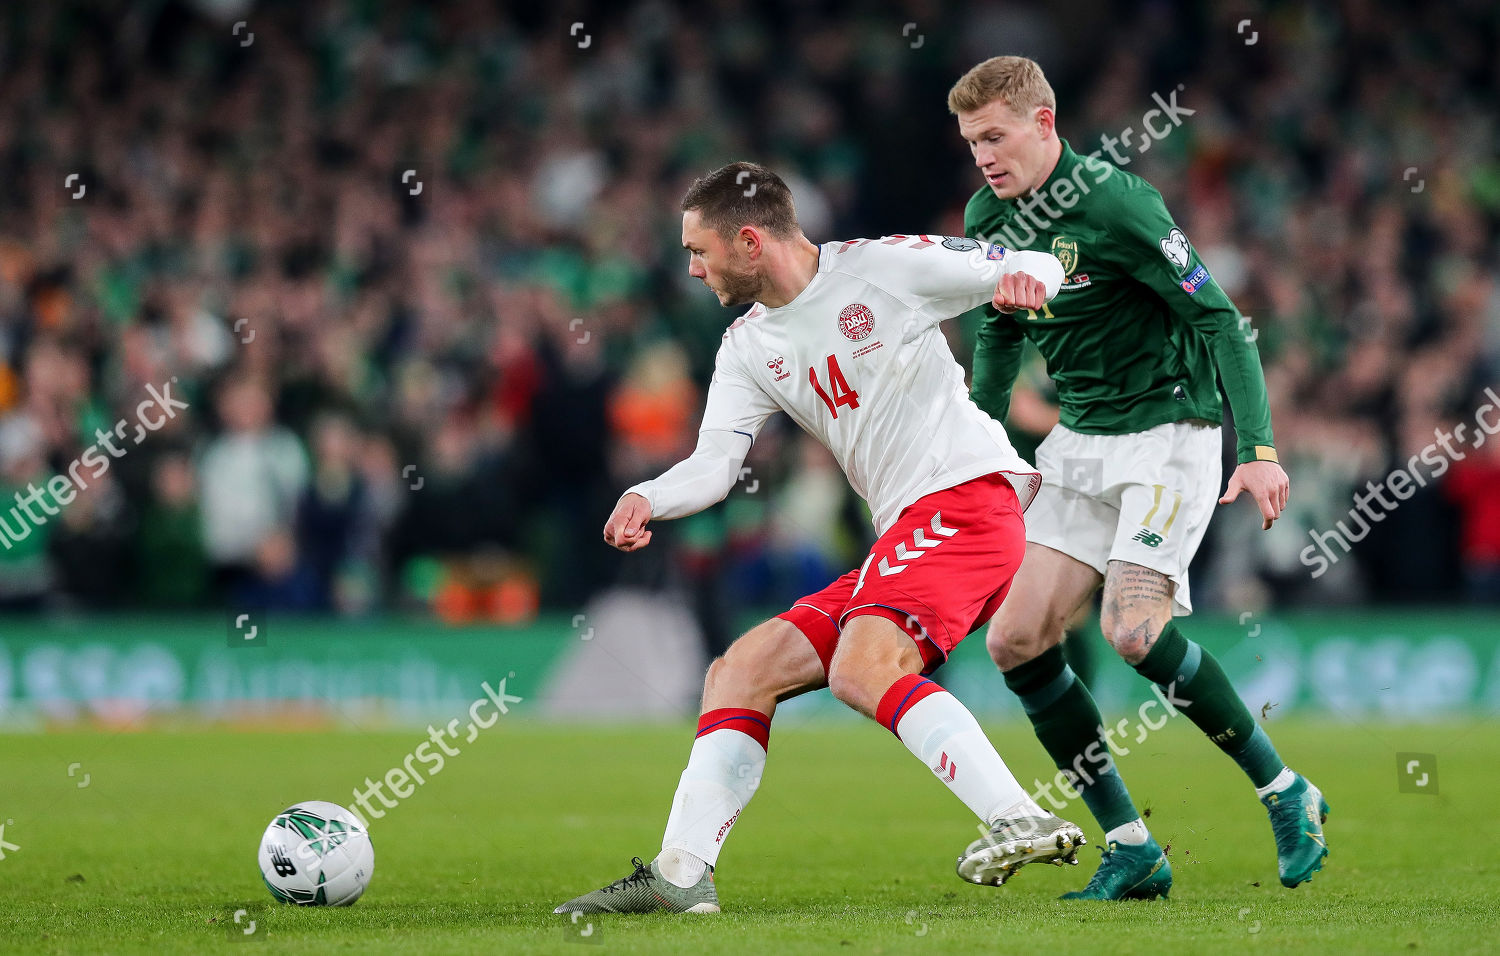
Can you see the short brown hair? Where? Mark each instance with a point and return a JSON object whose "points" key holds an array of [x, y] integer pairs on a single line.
{"points": [[1014, 79], [743, 194]]}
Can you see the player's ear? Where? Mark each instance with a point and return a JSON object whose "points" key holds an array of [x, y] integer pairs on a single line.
{"points": [[1046, 120], [749, 241]]}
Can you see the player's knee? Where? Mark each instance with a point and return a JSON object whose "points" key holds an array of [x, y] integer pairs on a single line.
{"points": [[849, 684], [717, 673], [1131, 639], [1012, 641], [741, 670], [849, 673], [866, 665]]}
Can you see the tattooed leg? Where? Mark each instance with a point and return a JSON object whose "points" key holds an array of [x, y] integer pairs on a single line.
{"points": [[1137, 621], [1137, 606]]}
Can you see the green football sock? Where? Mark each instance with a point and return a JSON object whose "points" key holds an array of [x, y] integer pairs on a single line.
{"points": [[1198, 687], [1079, 651], [1067, 722]]}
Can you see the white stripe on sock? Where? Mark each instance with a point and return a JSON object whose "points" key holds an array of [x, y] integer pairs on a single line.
{"points": [[1282, 780], [1133, 833]]}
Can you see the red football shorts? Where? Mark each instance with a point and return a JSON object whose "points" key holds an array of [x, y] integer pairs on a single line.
{"points": [[939, 572]]}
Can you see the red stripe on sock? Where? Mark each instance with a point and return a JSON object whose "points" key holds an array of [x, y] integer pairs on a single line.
{"points": [[751, 722], [903, 696]]}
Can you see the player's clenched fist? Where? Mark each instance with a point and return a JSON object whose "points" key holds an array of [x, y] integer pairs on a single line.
{"points": [[626, 527], [1028, 281], [1019, 291]]}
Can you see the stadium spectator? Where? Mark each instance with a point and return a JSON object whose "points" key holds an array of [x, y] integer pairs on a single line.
{"points": [[1473, 488], [336, 526], [172, 570], [26, 574], [247, 214], [91, 546], [251, 476]]}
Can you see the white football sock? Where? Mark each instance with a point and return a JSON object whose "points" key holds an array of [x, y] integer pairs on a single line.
{"points": [[720, 778], [1133, 833], [942, 733], [1282, 780]]}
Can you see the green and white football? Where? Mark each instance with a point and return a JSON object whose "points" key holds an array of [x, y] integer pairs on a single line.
{"points": [[316, 853]]}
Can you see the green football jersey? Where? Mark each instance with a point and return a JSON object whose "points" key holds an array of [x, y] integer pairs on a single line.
{"points": [[1134, 336]]}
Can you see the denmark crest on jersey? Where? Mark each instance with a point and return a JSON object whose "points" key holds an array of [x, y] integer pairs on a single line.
{"points": [[856, 321]]}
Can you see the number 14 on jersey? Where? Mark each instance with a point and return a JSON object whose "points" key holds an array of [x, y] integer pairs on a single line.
{"points": [[838, 385]]}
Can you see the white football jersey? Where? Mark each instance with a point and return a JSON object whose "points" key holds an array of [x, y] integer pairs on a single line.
{"points": [[859, 361]]}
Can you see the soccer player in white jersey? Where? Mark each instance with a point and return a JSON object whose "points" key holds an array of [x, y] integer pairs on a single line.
{"points": [[844, 338]]}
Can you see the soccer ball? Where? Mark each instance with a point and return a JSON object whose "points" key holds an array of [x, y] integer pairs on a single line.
{"points": [[316, 853]]}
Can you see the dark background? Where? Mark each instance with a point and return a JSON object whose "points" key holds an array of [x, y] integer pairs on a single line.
{"points": [[430, 402]]}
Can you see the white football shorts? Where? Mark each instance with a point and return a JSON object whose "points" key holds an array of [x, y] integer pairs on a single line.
{"points": [[1145, 498]]}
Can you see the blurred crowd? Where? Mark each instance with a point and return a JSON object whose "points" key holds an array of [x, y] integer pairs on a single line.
{"points": [[415, 271]]}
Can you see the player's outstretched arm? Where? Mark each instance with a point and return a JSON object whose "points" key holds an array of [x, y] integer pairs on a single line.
{"points": [[1159, 255], [732, 417], [697, 482], [943, 277]]}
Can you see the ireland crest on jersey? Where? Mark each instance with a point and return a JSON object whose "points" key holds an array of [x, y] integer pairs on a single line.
{"points": [[1066, 251]]}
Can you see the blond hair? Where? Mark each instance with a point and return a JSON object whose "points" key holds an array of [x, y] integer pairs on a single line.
{"points": [[1015, 79]]}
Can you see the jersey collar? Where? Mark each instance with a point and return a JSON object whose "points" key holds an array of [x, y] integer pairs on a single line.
{"points": [[823, 265]]}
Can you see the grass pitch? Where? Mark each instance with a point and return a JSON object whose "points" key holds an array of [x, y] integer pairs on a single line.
{"points": [[848, 847]]}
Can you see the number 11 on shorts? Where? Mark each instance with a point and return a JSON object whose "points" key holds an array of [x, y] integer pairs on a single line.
{"points": [[1156, 506], [842, 393]]}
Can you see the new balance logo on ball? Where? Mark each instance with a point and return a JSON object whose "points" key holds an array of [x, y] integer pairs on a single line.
{"points": [[282, 863]]}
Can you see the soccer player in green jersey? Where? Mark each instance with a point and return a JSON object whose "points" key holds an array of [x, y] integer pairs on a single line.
{"points": [[1131, 472]]}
